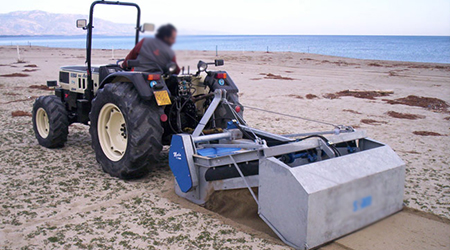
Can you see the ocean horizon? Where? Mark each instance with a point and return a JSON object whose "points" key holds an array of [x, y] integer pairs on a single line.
{"points": [[429, 49]]}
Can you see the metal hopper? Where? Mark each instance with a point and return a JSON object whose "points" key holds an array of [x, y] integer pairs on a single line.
{"points": [[311, 204]]}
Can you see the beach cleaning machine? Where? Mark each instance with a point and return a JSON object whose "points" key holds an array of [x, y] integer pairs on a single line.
{"points": [[310, 188]]}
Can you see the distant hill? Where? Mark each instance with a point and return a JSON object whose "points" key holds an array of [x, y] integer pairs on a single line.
{"points": [[36, 22]]}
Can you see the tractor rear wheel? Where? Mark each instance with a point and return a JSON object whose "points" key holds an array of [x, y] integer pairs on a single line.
{"points": [[50, 121], [126, 131]]}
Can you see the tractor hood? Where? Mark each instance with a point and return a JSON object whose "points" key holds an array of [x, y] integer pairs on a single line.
{"points": [[80, 68]]}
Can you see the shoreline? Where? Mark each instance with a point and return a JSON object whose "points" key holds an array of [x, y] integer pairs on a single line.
{"points": [[399, 63]]}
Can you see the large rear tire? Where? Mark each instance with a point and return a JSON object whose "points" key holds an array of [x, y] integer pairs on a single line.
{"points": [[126, 131], [50, 121]]}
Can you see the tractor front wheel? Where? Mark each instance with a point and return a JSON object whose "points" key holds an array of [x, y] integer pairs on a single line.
{"points": [[50, 121], [126, 131]]}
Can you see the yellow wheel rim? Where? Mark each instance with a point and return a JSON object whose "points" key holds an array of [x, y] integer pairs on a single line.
{"points": [[42, 124], [112, 132]]}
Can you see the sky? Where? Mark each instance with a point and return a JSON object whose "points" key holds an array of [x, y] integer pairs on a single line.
{"points": [[270, 17]]}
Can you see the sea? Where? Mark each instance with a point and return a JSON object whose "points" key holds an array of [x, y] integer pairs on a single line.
{"points": [[433, 49]]}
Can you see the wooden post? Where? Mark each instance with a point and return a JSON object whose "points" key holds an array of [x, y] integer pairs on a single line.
{"points": [[18, 53]]}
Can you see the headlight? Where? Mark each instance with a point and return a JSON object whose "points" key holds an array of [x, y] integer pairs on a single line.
{"points": [[202, 66], [172, 68]]}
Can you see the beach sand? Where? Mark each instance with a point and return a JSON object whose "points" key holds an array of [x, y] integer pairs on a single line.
{"points": [[61, 198]]}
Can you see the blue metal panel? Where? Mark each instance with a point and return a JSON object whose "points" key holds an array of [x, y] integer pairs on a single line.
{"points": [[207, 151], [215, 152], [179, 164]]}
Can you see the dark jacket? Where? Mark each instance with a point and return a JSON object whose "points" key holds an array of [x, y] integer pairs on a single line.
{"points": [[152, 54]]}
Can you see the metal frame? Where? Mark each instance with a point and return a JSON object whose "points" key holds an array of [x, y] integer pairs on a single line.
{"points": [[89, 92], [219, 95], [294, 194], [250, 150]]}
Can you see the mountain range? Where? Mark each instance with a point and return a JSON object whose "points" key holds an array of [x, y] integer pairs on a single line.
{"points": [[36, 23]]}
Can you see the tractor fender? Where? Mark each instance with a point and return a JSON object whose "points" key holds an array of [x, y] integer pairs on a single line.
{"points": [[226, 84], [139, 80]]}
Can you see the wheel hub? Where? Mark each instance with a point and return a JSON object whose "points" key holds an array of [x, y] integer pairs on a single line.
{"points": [[42, 123], [112, 132]]}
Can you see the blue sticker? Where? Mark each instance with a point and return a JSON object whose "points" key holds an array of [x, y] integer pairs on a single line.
{"points": [[153, 83], [362, 203], [221, 82]]}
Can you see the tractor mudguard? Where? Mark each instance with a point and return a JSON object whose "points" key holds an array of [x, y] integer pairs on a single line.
{"points": [[140, 82], [226, 84]]}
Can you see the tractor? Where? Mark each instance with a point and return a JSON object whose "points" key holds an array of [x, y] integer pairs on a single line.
{"points": [[312, 187], [131, 114]]}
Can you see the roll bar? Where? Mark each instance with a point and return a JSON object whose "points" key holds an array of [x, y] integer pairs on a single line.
{"points": [[89, 93]]}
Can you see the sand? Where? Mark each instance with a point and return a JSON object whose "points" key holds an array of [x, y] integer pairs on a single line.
{"points": [[61, 198]]}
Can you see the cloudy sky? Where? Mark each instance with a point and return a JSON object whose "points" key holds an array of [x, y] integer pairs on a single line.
{"points": [[271, 17]]}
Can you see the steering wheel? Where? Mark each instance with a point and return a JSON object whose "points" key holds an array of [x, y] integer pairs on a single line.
{"points": [[119, 61]]}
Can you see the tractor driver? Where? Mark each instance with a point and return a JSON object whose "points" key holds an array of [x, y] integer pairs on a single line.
{"points": [[155, 53]]}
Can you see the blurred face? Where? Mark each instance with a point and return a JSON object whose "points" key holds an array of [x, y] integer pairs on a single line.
{"points": [[172, 39]]}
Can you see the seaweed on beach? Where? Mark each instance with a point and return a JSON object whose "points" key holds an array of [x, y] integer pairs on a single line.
{"points": [[296, 96], [364, 94], [20, 100], [426, 133], [20, 113], [330, 96], [11, 94], [404, 115], [277, 77], [15, 75], [311, 96], [372, 122], [430, 103], [425, 66], [42, 87], [352, 111], [375, 65]]}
